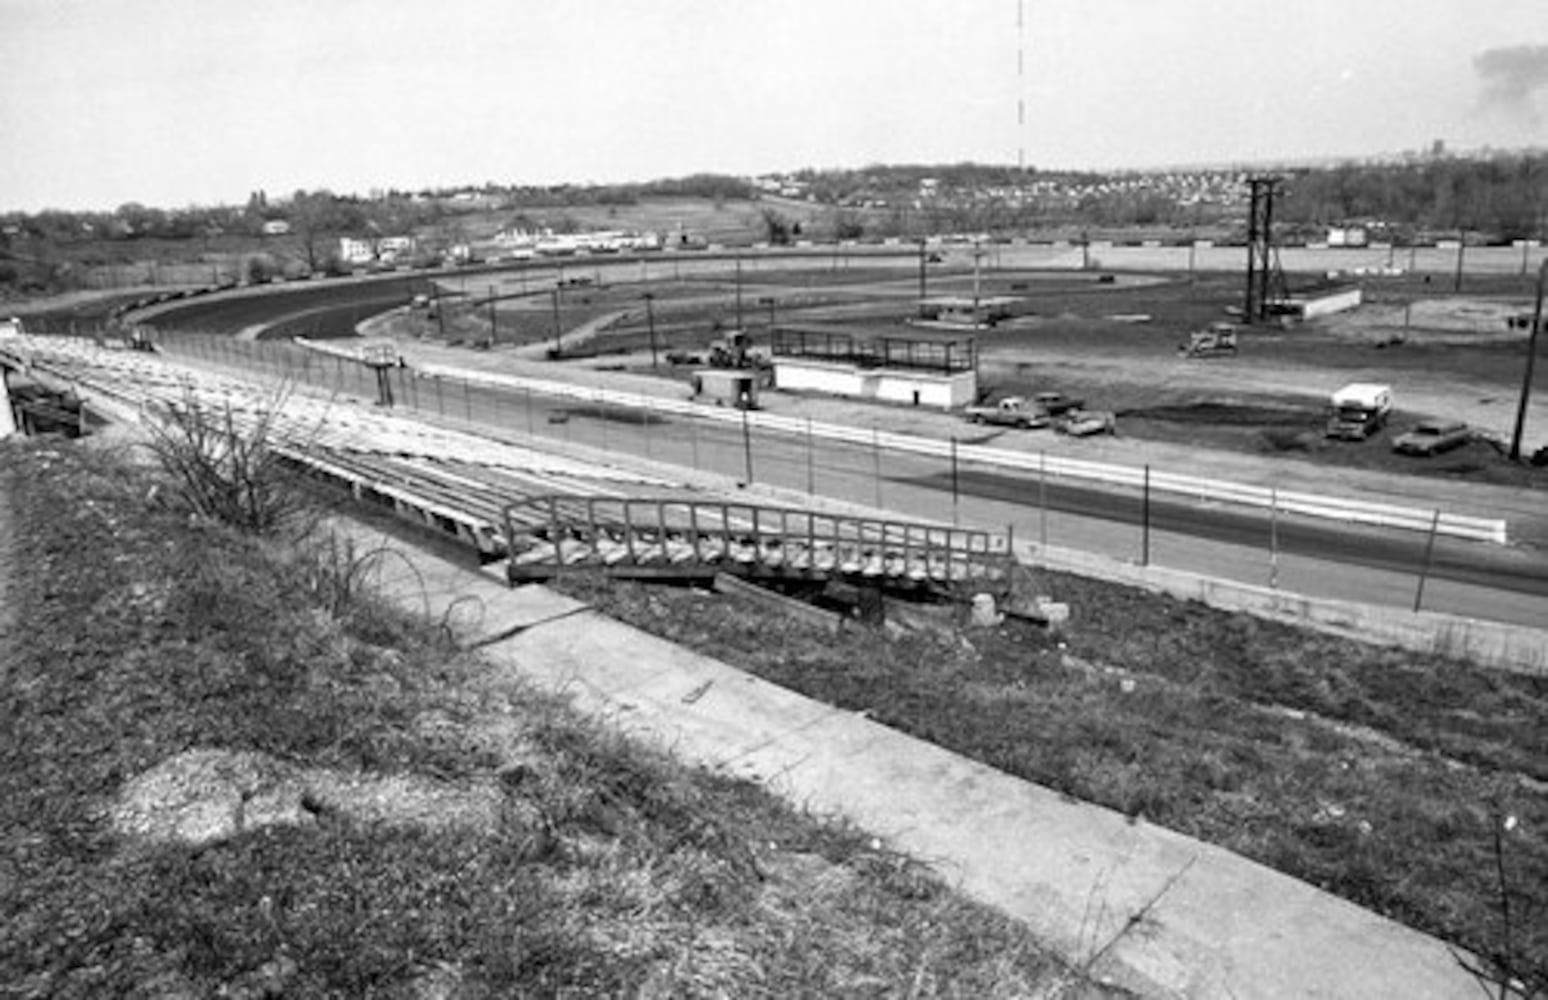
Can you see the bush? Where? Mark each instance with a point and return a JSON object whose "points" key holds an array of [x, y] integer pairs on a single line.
{"points": [[224, 464]]}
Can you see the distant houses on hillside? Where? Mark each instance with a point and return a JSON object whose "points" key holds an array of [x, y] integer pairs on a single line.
{"points": [[355, 251]]}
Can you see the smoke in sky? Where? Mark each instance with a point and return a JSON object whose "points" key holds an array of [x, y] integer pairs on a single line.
{"points": [[1510, 76]]}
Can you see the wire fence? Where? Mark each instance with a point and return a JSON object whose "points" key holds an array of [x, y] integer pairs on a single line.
{"points": [[1272, 548]]}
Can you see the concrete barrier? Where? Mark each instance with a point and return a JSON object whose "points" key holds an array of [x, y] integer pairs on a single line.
{"points": [[1497, 645]]}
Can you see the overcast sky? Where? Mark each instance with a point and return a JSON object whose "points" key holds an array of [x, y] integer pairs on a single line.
{"points": [[178, 102]]}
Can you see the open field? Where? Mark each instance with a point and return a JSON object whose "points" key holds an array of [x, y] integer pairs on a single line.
{"points": [[1374, 774]]}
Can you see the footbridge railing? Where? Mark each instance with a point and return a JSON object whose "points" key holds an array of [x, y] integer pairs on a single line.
{"points": [[686, 539]]}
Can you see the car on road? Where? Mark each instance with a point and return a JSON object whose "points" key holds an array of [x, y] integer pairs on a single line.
{"points": [[1431, 437]]}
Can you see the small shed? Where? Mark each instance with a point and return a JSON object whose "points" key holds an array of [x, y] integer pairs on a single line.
{"points": [[736, 387]]}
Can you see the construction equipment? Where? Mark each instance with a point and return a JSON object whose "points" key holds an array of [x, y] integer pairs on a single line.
{"points": [[1218, 338], [731, 351]]}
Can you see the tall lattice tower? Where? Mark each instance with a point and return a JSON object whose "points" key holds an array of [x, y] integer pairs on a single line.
{"points": [[1265, 276]]}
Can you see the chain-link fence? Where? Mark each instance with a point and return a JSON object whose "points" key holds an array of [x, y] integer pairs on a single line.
{"points": [[1271, 548]]}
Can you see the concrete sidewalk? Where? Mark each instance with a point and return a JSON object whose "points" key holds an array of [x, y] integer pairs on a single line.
{"points": [[1141, 906]]}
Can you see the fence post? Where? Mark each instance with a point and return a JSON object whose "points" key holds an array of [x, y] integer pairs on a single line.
{"points": [[876, 463], [553, 529], [1042, 499], [747, 447], [956, 519], [1273, 538], [1429, 553], [1145, 521], [811, 469]]}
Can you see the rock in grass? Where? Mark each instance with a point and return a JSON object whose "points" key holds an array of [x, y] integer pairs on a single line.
{"points": [[202, 797]]}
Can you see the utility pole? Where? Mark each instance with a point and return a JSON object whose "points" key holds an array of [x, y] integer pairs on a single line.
{"points": [[739, 289], [978, 255], [650, 318], [1526, 378], [922, 245], [558, 327]]}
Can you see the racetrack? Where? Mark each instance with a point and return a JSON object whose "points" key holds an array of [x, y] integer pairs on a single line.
{"points": [[1072, 354]]}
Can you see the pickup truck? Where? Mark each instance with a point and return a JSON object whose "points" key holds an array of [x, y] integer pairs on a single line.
{"points": [[1431, 437], [1012, 411], [1057, 404]]}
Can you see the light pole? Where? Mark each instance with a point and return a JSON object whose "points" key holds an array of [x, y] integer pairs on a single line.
{"points": [[739, 289], [650, 318], [1526, 378], [558, 325], [922, 246], [494, 323], [978, 255]]}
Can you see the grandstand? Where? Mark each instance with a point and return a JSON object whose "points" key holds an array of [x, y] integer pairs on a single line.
{"points": [[543, 513]]}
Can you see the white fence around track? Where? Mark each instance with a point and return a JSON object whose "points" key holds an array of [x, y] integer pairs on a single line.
{"points": [[1209, 490]]}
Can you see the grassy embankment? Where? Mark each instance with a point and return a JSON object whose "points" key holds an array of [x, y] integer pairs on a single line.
{"points": [[147, 633], [1379, 775]]}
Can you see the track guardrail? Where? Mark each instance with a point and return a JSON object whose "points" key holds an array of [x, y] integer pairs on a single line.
{"points": [[1210, 490]]}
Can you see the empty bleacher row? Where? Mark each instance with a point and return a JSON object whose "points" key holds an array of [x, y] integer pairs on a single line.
{"points": [[454, 481], [545, 512]]}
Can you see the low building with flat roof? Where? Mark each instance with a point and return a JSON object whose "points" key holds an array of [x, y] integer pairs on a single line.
{"points": [[965, 310], [919, 369]]}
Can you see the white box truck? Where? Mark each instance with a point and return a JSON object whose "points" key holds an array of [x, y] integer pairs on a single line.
{"points": [[1359, 410]]}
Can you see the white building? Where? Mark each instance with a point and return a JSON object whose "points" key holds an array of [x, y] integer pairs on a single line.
{"points": [[356, 251]]}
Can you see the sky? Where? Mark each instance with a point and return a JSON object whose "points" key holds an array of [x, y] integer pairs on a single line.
{"points": [[199, 102]]}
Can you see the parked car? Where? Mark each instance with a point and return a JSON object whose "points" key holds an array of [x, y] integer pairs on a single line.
{"points": [[1084, 423], [1431, 437]]}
